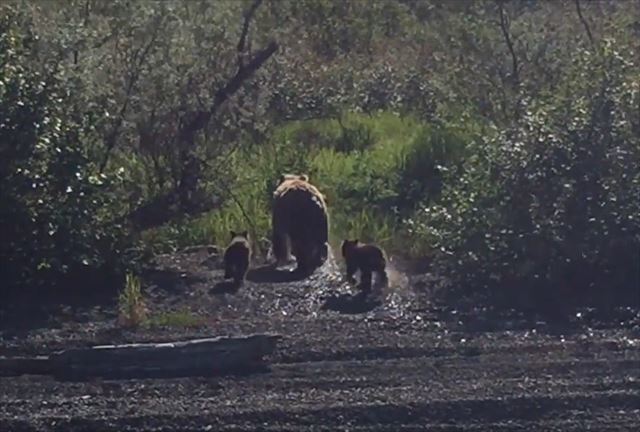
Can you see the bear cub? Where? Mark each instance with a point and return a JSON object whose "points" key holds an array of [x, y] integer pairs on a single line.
{"points": [[367, 258], [237, 257]]}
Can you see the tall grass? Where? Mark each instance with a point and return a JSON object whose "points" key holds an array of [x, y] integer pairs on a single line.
{"points": [[356, 161], [131, 304]]}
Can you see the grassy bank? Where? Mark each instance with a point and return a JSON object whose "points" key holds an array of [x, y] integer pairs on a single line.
{"points": [[373, 169]]}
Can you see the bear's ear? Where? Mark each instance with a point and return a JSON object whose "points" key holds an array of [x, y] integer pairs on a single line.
{"points": [[285, 177], [244, 234], [355, 241], [303, 177], [233, 234]]}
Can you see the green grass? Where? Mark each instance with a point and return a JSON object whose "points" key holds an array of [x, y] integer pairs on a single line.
{"points": [[131, 306], [356, 182]]}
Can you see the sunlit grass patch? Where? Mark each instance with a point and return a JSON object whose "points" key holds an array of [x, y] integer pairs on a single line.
{"points": [[131, 305], [358, 161]]}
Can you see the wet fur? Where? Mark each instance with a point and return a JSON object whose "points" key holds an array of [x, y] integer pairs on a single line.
{"points": [[367, 259], [237, 257], [300, 223]]}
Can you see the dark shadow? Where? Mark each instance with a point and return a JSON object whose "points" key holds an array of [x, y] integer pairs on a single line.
{"points": [[271, 274], [27, 308], [225, 287], [211, 262], [361, 302], [171, 281], [239, 371]]}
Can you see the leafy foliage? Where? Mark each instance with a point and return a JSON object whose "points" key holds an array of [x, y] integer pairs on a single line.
{"points": [[498, 139], [548, 209], [435, 149], [52, 200]]}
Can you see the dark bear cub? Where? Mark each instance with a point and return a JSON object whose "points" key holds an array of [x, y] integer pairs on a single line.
{"points": [[367, 258], [237, 257]]}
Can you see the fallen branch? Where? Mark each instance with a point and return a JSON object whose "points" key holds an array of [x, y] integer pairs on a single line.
{"points": [[198, 357], [15, 366]]}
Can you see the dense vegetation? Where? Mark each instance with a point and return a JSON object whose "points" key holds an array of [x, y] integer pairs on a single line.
{"points": [[497, 142]]}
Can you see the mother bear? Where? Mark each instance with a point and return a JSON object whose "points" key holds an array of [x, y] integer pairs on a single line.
{"points": [[299, 220]]}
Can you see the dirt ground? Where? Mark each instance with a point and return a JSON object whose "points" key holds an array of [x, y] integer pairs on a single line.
{"points": [[398, 364]]}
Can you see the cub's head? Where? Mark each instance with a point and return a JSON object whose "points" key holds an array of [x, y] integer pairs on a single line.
{"points": [[242, 234], [348, 246]]}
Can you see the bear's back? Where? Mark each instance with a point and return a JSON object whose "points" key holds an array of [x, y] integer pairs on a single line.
{"points": [[369, 255], [298, 188], [238, 247]]}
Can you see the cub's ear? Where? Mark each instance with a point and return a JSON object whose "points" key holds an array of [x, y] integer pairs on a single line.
{"points": [[304, 177], [233, 234], [244, 234], [355, 241], [282, 177]]}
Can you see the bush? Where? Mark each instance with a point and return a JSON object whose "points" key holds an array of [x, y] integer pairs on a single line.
{"points": [[52, 201], [434, 150], [548, 210]]}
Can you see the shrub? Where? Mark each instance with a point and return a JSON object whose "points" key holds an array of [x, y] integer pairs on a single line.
{"points": [[546, 212], [356, 138], [434, 150], [53, 203]]}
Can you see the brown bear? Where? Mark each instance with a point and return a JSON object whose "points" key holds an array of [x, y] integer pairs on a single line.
{"points": [[367, 258], [237, 257], [300, 223]]}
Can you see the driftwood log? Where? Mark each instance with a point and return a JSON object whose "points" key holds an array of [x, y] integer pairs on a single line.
{"points": [[198, 357], [14, 366]]}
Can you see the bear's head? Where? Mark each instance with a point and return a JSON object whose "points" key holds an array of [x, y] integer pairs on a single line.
{"points": [[243, 234], [285, 177], [348, 246]]}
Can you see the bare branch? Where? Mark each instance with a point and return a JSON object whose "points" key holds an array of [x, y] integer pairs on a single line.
{"points": [[248, 16], [584, 23], [191, 166], [201, 118], [505, 27], [186, 195], [111, 140]]}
